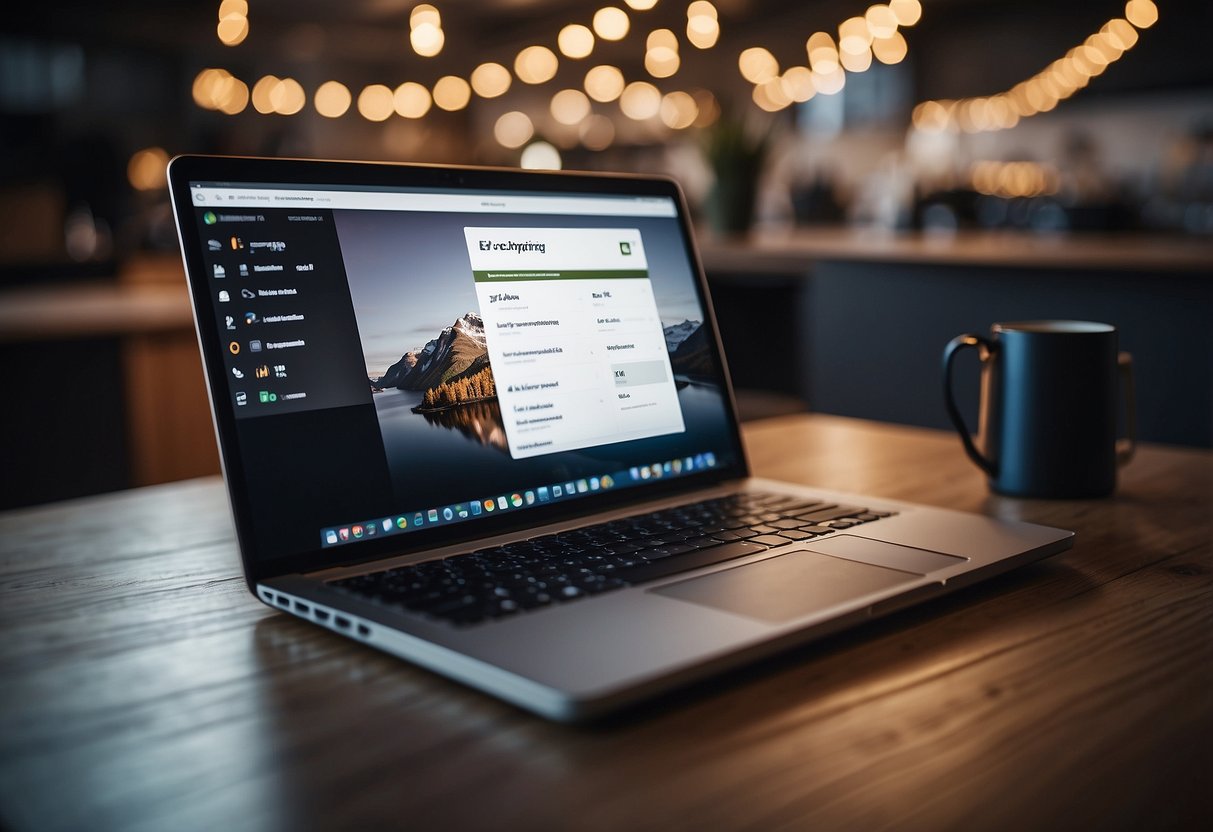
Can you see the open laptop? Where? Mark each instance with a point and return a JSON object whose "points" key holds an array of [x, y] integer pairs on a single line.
{"points": [[480, 419]]}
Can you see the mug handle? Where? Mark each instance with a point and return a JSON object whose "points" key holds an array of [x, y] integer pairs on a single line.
{"points": [[1126, 446], [949, 354]]}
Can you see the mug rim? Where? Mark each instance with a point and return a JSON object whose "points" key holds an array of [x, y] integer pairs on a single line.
{"points": [[1055, 327]]}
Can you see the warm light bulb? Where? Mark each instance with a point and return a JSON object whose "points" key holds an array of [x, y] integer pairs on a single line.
{"points": [[604, 83], [757, 65], [570, 106], [907, 12], [575, 41], [540, 156], [890, 50], [452, 93], [640, 100], [1141, 13], [375, 103], [332, 99], [597, 132], [611, 23], [427, 40], [678, 110], [147, 169], [490, 80], [411, 100], [536, 65], [513, 129]]}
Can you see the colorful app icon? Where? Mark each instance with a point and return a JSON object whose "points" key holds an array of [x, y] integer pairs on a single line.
{"points": [[357, 531], [645, 473], [582, 486], [262, 372], [594, 484], [656, 469], [448, 514], [678, 466], [608, 481], [220, 272], [330, 537], [234, 348], [224, 297], [250, 318], [476, 507], [490, 504], [387, 525], [530, 497], [418, 519], [557, 490], [569, 488], [266, 396], [254, 346], [236, 372], [461, 511], [241, 399], [635, 472], [516, 500], [432, 515], [502, 503], [244, 269], [371, 529], [544, 494], [402, 522], [344, 534], [209, 218], [228, 320], [237, 243], [711, 459], [214, 245]]}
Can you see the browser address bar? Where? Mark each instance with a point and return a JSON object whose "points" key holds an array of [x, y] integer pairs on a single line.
{"points": [[442, 203]]}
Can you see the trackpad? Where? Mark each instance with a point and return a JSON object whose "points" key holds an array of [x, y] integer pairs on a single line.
{"points": [[786, 587]]}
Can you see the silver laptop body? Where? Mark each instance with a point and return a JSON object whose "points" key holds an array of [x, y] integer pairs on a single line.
{"points": [[577, 381]]}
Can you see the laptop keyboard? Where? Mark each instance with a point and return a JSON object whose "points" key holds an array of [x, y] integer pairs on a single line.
{"points": [[507, 580]]}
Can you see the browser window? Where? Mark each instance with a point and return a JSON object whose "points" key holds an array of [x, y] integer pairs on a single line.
{"points": [[445, 356]]}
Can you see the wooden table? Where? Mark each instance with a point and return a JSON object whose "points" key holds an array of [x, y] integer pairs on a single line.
{"points": [[144, 688]]}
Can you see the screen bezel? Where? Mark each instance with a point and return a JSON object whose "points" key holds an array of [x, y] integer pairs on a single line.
{"points": [[249, 170]]}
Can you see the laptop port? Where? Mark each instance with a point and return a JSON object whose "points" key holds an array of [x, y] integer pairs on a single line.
{"points": [[322, 615], [283, 601], [303, 608], [364, 631], [268, 597], [342, 622]]}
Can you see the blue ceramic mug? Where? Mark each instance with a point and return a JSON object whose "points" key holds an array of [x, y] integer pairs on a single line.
{"points": [[1048, 410]]}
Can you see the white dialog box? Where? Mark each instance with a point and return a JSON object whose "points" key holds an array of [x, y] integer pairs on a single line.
{"points": [[574, 337]]}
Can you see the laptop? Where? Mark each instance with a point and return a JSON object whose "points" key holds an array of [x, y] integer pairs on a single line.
{"points": [[481, 420]]}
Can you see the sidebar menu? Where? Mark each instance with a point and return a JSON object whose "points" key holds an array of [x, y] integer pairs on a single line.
{"points": [[283, 309]]}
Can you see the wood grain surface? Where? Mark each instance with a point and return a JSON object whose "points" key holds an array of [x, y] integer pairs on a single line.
{"points": [[143, 688]]}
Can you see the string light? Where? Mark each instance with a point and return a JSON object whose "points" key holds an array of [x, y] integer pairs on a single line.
{"points": [[540, 156], [874, 35], [597, 132], [1044, 91], [678, 110]]}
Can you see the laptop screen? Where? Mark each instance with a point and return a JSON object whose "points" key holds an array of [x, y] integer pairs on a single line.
{"points": [[398, 362]]}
